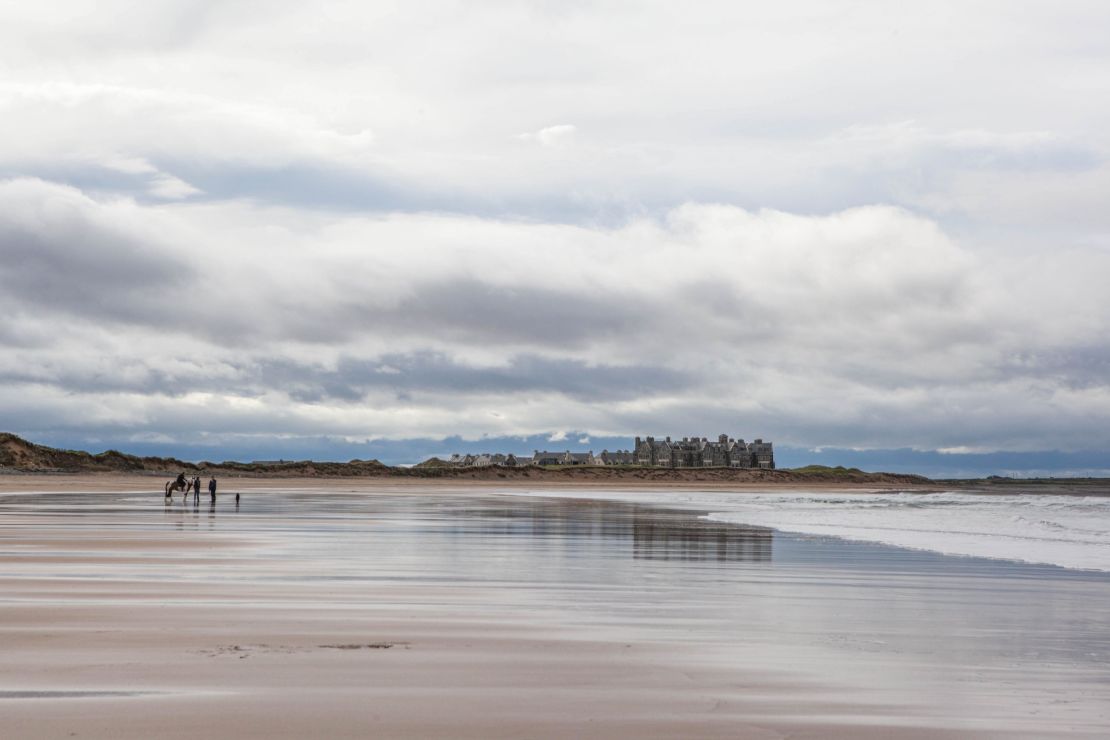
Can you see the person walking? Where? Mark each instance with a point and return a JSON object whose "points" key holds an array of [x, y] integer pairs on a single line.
{"points": [[211, 488], [196, 490]]}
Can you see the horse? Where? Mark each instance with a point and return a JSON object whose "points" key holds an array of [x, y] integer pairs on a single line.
{"points": [[176, 485]]}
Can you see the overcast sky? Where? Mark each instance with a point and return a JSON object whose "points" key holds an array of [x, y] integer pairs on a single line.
{"points": [[260, 225]]}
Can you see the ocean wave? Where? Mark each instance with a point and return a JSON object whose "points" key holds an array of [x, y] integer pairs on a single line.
{"points": [[1072, 532]]}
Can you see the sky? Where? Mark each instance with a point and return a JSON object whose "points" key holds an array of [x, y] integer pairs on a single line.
{"points": [[875, 233]]}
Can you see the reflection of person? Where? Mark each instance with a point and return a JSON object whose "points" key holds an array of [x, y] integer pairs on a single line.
{"points": [[212, 488]]}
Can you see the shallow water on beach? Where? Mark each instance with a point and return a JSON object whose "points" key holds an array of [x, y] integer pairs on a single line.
{"points": [[1053, 528], [965, 642]]}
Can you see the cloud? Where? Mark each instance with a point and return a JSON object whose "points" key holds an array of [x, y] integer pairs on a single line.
{"points": [[426, 372], [171, 188], [314, 119], [343, 233], [551, 136], [861, 326], [159, 184], [162, 139], [61, 252]]}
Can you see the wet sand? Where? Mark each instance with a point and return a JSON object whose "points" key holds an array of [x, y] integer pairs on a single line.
{"points": [[473, 613]]}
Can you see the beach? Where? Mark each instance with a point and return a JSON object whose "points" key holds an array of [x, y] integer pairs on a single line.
{"points": [[353, 609]]}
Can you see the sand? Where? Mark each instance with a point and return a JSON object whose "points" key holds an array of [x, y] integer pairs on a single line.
{"points": [[110, 482], [431, 611]]}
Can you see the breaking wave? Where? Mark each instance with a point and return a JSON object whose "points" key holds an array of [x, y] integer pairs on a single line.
{"points": [[1069, 531]]}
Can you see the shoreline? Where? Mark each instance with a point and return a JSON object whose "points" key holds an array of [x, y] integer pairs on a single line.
{"points": [[46, 482], [11, 481]]}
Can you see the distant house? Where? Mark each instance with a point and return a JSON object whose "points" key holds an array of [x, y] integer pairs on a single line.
{"points": [[579, 458], [562, 458], [481, 460], [620, 457], [547, 458]]}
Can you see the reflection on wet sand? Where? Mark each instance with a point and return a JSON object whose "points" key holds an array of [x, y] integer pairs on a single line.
{"points": [[659, 538], [192, 509], [650, 533]]}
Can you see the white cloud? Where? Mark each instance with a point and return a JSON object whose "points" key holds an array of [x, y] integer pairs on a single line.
{"points": [[170, 187], [159, 184], [129, 165], [156, 134], [551, 135]]}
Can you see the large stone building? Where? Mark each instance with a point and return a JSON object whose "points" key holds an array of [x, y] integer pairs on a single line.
{"points": [[699, 452], [689, 452]]}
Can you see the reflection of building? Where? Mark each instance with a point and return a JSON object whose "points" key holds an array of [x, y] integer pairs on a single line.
{"points": [[614, 528], [664, 538]]}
